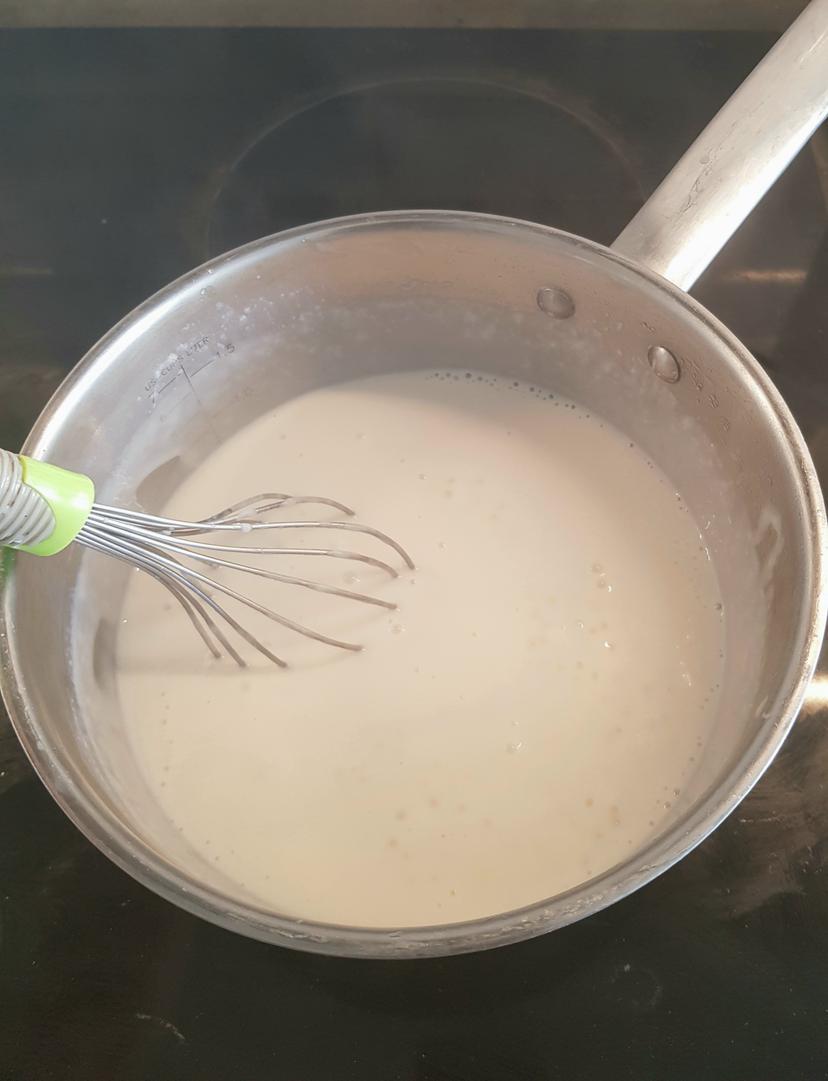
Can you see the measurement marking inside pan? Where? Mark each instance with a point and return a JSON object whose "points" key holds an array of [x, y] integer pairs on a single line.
{"points": [[187, 361]]}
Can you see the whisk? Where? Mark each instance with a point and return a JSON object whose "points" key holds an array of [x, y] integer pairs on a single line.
{"points": [[43, 509]]}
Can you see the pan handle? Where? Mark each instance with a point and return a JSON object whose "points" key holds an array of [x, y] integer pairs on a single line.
{"points": [[738, 156]]}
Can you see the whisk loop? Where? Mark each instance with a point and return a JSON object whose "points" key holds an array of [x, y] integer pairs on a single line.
{"points": [[166, 549], [43, 509]]}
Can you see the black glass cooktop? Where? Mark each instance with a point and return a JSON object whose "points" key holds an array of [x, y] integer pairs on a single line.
{"points": [[130, 156]]}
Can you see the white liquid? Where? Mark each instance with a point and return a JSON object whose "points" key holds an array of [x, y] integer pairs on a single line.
{"points": [[525, 720]]}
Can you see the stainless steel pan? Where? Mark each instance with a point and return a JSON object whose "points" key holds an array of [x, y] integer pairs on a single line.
{"points": [[611, 328]]}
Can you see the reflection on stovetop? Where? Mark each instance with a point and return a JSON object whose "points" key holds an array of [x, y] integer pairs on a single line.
{"points": [[130, 158]]}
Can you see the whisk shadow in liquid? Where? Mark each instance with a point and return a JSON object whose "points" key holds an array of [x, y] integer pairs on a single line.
{"points": [[165, 548]]}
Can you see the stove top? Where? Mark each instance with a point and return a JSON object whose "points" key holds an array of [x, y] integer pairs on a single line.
{"points": [[133, 155]]}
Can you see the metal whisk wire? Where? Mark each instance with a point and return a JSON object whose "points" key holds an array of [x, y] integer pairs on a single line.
{"points": [[159, 546], [44, 509]]}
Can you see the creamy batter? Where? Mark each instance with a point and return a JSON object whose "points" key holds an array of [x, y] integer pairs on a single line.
{"points": [[527, 717]]}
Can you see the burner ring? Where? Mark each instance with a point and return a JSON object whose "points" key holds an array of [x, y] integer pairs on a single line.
{"points": [[462, 143]]}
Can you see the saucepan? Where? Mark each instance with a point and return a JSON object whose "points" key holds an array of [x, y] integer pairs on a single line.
{"points": [[611, 328]]}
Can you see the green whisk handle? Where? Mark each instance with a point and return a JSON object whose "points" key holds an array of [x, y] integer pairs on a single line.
{"points": [[42, 507]]}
